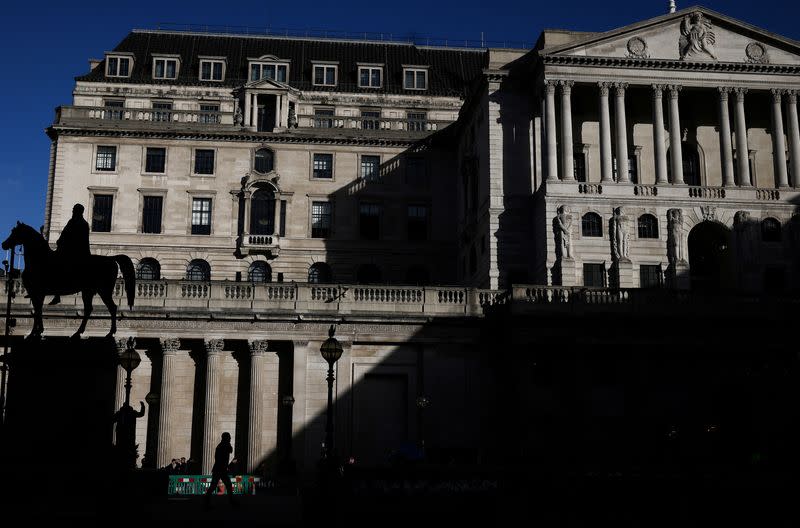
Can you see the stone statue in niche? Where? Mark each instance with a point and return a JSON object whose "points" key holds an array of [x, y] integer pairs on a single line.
{"points": [[746, 238], [620, 244], [563, 230], [697, 38], [238, 118], [674, 236], [292, 117]]}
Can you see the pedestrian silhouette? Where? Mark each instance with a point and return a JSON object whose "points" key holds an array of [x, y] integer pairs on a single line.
{"points": [[220, 470], [72, 247], [125, 419]]}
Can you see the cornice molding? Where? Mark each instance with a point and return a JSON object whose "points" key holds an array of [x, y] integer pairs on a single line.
{"points": [[667, 64]]}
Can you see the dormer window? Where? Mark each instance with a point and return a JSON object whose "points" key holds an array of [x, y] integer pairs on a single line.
{"points": [[166, 67], [415, 78], [269, 70], [325, 74], [212, 69], [118, 66], [370, 76]]}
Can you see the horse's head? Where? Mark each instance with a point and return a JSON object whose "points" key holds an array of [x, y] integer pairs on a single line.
{"points": [[15, 238]]}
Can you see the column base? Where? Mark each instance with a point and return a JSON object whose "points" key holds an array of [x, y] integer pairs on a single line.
{"points": [[565, 272]]}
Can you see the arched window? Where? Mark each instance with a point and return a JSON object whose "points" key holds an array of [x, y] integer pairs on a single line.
{"points": [[320, 273], [691, 164], [264, 161], [262, 212], [648, 226], [259, 272], [368, 274], [592, 225], [418, 275], [148, 269], [770, 230], [198, 270]]}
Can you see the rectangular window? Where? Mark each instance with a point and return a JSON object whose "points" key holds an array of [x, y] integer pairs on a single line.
{"points": [[165, 68], [369, 221], [201, 216], [204, 161], [417, 222], [650, 276], [323, 117], [579, 167], [370, 77], [416, 175], [417, 121], [101, 212], [155, 159], [324, 75], [114, 109], [594, 275], [323, 166], [209, 114], [151, 214], [370, 166], [118, 67], [276, 72], [282, 227], [415, 79], [211, 70], [370, 119], [320, 219], [106, 158], [162, 111]]}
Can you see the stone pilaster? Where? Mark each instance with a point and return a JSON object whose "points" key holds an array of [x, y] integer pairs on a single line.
{"points": [[659, 142], [778, 141], [742, 151], [211, 436], [675, 147], [567, 162], [550, 130], [606, 157], [169, 351], [794, 137], [622, 134], [726, 151]]}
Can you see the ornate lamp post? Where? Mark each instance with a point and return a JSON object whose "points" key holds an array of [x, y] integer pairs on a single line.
{"points": [[331, 351], [126, 416], [129, 360]]}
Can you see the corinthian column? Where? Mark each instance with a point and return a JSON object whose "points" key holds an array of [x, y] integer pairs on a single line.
{"points": [[119, 387], [606, 160], [622, 135], [778, 141], [258, 385], [567, 163], [675, 147], [659, 147], [742, 151], [210, 434], [550, 130], [794, 137], [726, 154], [169, 352]]}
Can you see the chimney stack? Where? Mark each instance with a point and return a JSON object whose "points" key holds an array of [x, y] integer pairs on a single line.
{"points": [[671, 6]]}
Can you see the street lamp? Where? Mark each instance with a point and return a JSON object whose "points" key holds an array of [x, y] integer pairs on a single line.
{"points": [[129, 360], [331, 351]]}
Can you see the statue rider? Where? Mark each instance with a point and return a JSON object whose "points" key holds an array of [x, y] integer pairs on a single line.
{"points": [[73, 244]]}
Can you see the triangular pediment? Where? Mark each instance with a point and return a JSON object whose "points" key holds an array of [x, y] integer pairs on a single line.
{"points": [[695, 34], [268, 84]]}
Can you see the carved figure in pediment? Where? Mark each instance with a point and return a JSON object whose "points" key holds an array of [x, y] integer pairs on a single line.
{"points": [[674, 236], [620, 244], [697, 37], [563, 230]]}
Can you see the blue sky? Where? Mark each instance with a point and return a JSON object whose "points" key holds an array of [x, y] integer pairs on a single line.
{"points": [[46, 44]]}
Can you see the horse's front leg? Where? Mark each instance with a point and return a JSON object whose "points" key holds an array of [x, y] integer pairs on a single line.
{"points": [[87, 295], [38, 326]]}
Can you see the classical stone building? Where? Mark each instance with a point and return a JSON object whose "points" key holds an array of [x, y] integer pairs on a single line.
{"points": [[444, 207]]}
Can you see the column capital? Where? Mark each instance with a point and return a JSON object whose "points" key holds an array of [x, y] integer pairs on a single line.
{"points": [[122, 343], [791, 96], [620, 88], [674, 90], [550, 87], [723, 92], [300, 342], [566, 85], [257, 346], [213, 346], [604, 86], [169, 345], [658, 89], [776, 94], [739, 92]]}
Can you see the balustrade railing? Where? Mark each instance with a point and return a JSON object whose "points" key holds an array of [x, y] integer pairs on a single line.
{"points": [[768, 194], [590, 188], [714, 193], [370, 123], [153, 115]]}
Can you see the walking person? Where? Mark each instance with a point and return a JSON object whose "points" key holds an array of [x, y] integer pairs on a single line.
{"points": [[220, 471]]}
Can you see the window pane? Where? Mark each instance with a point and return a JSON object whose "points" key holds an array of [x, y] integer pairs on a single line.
{"points": [[417, 222], [369, 167], [198, 270], [263, 161], [217, 71], [323, 166], [171, 66], [101, 212], [204, 161], [268, 71], [259, 272], [201, 216], [319, 75], [320, 219], [205, 71], [282, 74], [650, 276], [364, 77], [376, 77], [370, 119], [112, 65], [409, 80], [594, 275], [330, 76], [422, 79], [106, 158], [255, 72], [155, 160], [159, 69], [151, 214], [591, 225], [209, 114]]}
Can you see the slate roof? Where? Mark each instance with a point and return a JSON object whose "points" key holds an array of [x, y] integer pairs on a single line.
{"points": [[451, 70]]}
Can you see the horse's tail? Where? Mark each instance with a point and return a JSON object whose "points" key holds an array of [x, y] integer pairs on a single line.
{"points": [[128, 273]]}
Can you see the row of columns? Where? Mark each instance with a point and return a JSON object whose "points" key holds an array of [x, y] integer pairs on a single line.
{"points": [[675, 140], [251, 109]]}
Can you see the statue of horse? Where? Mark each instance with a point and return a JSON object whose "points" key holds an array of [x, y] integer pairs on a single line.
{"points": [[46, 274]]}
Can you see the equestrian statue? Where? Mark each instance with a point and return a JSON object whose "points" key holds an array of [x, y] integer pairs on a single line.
{"points": [[70, 269]]}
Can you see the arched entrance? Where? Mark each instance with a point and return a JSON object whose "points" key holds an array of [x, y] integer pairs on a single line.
{"points": [[709, 257]]}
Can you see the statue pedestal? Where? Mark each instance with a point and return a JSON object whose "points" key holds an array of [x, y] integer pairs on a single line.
{"points": [[565, 272], [678, 276], [622, 273]]}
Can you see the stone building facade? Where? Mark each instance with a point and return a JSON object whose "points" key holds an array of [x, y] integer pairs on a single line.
{"points": [[269, 187]]}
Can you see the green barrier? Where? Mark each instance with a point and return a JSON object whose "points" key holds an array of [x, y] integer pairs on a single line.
{"points": [[198, 484]]}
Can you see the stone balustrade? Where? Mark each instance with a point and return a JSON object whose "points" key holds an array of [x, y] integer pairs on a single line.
{"points": [[370, 123], [65, 114]]}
